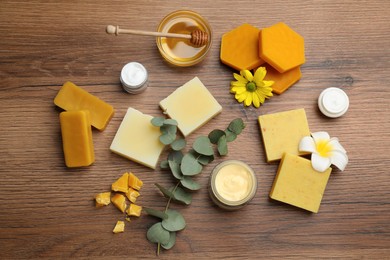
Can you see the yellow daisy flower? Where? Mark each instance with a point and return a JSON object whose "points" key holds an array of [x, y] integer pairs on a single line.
{"points": [[250, 88]]}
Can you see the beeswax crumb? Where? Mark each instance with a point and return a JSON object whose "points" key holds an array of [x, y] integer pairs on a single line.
{"points": [[77, 138], [132, 195], [71, 97], [119, 227], [281, 47], [298, 184], [135, 182], [119, 201], [121, 184], [103, 199], [282, 81], [240, 48], [134, 210]]}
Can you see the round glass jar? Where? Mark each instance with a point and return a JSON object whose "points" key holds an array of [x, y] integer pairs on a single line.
{"points": [[181, 52], [232, 184]]}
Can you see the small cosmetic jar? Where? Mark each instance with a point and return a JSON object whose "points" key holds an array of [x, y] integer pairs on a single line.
{"points": [[134, 78], [232, 184], [333, 102]]}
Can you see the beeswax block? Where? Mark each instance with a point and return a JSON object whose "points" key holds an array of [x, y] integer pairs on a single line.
{"points": [[119, 201], [298, 184], [77, 138], [191, 105], [282, 132], [134, 210], [71, 97], [132, 195], [121, 184], [119, 227], [240, 48], [103, 199], [135, 182], [282, 81], [137, 139], [281, 47]]}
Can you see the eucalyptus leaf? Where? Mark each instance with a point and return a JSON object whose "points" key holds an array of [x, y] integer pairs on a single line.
{"points": [[236, 126], [167, 193], [180, 195], [172, 241], [230, 136], [215, 135], [190, 165], [222, 146], [178, 144], [171, 129], [164, 164], [167, 138], [189, 183], [202, 145], [170, 121], [176, 156], [204, 159], [175, 169], [156, 213], [174, 222], [157, 121], [158, 234]]}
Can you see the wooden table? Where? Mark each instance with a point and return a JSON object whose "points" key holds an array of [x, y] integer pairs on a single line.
{"points": [[47, 210]]}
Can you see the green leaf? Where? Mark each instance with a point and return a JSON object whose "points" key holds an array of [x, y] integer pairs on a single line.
{"points": [[175, 169], [178, 144], [155, 213], [230, 136], [157, 234], [215, 135], [236, 126], [170, 121], [204, 160], [167, 138], [222, 146], [189, 183], [174, 222], [157, 121], [172, 241], [176, 156], [190, 165], [180, 195], [167, 193], [171, 129], [164, 164], [202, 145]]}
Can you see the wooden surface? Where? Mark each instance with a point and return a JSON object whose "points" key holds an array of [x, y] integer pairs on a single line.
{"points": [[46, 210]]}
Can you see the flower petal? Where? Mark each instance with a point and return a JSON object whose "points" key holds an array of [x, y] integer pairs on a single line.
{"points": [[256, 100], [261, 96], [237, 83], [268, 83], [307, 144], [240, 78], [237, 89], [248, 100], [259, 75], [339, 159], [320, 163], [241, 97], [247, 75], [320, 136], [336, 145]]}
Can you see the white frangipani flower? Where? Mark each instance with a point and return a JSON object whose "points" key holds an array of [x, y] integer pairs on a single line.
{"points": [[325, 151]]}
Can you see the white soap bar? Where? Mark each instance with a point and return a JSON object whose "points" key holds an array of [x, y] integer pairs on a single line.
{"points": [[137, 139], [191, 105]]}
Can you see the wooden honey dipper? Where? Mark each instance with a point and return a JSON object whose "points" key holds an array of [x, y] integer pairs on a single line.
{"points": [[197, 37]]}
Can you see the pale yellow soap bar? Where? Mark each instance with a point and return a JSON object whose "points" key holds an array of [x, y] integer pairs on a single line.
{"points": [[137, 139], [191, 105], [71, 97], [282, 132], [298, 184], [77, 138]]}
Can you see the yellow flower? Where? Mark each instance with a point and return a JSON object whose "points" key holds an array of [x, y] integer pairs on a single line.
{"points": [[251, 89]]}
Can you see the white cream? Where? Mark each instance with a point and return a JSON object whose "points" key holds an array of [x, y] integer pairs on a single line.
{"points": [[134, 77], [333, 102]]}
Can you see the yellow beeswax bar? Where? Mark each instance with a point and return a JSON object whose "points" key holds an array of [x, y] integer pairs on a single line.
{"points": [[71, 97], [77, 138], [298, 184]]}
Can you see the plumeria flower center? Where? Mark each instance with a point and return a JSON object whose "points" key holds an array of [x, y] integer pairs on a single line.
{"points": [[251, 86], [323, 148]]}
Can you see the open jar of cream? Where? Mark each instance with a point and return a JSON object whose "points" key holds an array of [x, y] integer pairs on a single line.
{"points": [[232, 184]]}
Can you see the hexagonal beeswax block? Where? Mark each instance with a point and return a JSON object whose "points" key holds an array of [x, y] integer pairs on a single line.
{"points": [[281, 47], [240, 48], [298, 184], [282, 81], [282, 132], [137, 139], [191, 105]]}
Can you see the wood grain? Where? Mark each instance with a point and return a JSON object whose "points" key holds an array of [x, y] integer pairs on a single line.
{"points": [[46, 210]]}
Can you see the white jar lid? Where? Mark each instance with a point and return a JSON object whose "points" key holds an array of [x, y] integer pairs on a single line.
{"points": [[133, 77], [333, 102]]}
